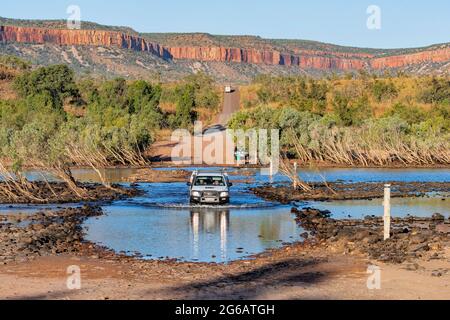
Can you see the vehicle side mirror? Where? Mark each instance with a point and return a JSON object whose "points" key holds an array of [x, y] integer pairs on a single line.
{"points": [[188, 184], [230, 184]]}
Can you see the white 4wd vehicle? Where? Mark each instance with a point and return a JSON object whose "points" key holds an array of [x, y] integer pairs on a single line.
{"points": [[209, 188]]}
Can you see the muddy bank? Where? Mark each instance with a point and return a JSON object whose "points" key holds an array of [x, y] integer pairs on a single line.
{"points": [[24, 237], [56, 192], [349, 191], [180, 175], [411, 237], [159, 176]]}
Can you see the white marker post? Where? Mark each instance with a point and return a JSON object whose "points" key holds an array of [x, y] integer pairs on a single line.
{"points": [[387, 211], [255, 156], [271, 171], [295, 177]]}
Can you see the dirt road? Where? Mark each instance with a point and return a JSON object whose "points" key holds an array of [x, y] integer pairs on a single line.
{"points": [[294, 273], [231, 104], [162, 150]]}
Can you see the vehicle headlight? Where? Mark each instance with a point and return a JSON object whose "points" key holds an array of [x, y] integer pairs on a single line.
{"points": [[196, 194], [224, 194]]}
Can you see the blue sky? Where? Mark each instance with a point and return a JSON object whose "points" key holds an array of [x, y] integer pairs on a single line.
{"points": [[403, 23]]}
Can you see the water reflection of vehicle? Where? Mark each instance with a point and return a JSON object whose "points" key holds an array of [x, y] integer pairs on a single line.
{"points": [[207, 222]]}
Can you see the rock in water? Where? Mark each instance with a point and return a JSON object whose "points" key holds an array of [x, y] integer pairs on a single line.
{"points": [[438, 217]]}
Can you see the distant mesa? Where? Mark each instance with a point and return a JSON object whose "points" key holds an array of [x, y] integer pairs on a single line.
{"points": [[305, 55]]}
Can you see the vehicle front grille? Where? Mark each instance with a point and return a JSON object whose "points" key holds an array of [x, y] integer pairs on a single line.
{"points": [[210, 194]]}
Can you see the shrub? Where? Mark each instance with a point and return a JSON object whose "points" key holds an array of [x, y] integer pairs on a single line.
{"points": [[205, 92], [411, 114], [351, 112], [185, 113], [384, 90], [15, 63], [301, 93], [436, 91], [56, 82]]}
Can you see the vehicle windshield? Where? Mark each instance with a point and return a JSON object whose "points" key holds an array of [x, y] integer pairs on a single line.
{"points": [[210, 181]]}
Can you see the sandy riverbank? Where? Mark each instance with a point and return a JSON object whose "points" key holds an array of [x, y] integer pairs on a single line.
{"points": [[293, 273]]}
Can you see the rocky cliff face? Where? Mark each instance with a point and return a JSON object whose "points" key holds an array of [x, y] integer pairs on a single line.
{"points": [[305, 59], [437, 55], [75, 37]]}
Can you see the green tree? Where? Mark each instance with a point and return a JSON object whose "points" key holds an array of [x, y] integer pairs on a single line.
{"points": [[351, 112], [436, 91], [410, 114], [113, 93], [143, 96], [56, 82], [205, 91], [14, 63], [185, 114], [384, 90]]}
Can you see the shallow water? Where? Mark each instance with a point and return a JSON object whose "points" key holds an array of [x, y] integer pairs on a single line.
{"points": [[377, 175], [400, 207], [6, 209], [162, 224], [217, 235], [310, 175]]}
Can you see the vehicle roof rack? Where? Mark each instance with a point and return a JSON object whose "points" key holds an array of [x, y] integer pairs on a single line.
{"points": [[206, 171]]}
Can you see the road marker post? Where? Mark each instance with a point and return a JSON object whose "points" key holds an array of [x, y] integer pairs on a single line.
{"points": [[387, 211], [295, 175], [271, 171]]}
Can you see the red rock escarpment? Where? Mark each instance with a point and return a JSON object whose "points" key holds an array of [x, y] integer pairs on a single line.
{"points": [[437, 55], [78, 37], [270, 57], [306, 59]]}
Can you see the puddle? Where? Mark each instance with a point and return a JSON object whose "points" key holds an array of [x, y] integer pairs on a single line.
{"points": [[32, 209], [204, 235], [400, 207]]}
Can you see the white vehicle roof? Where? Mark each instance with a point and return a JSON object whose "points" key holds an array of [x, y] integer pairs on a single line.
{"points": [[209, 174]]}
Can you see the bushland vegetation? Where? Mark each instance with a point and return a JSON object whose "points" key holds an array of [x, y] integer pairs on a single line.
{"points": [[367, 121], [10, 66], [57, 121]]}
